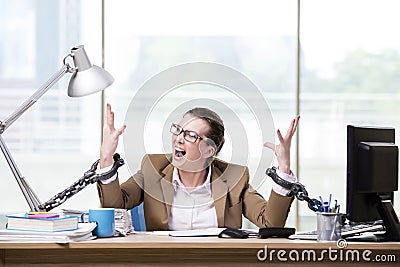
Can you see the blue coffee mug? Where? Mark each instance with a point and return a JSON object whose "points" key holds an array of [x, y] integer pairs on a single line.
{"points": [[104, 217]]}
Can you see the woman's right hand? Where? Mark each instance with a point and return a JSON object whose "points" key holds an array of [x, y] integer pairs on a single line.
{"points": [[110, 139]]}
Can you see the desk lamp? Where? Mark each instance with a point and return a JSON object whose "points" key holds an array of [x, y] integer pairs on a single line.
{"points": [[86, 79]]}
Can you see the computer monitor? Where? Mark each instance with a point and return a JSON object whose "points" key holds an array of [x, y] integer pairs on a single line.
{"points": [[372, 177]]}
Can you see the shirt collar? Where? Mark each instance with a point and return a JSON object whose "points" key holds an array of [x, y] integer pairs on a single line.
{"points": [[176, 181]]}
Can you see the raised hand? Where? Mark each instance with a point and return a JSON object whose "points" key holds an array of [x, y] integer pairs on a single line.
{"points": [[282, 150], [110, 138]]}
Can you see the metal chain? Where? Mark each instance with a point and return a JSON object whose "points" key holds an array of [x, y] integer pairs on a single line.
{"points": [[89, 177], [295, 189]]}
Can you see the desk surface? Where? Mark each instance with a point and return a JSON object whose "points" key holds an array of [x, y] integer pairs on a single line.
{"points": [[160, 241], [194, 251]]}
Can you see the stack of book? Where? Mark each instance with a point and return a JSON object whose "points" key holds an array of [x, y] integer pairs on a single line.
{"points": [[42, 221], [83, 233], [46, 227]]}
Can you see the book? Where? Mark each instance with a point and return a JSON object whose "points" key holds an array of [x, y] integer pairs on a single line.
{"points": [[83, 233], [42, 222]]}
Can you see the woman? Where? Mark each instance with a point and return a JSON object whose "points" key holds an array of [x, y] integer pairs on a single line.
{"points": [[190, 188]]}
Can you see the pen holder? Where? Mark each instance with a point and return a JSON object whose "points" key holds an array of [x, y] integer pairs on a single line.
{"points": [[328, 226]]}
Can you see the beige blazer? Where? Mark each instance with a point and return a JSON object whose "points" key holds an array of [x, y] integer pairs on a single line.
{"points": [[232, 193]]}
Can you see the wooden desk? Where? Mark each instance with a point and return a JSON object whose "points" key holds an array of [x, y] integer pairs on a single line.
{"points": [[137, 250]]}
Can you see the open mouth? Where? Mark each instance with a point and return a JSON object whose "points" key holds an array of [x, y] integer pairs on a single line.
{"points": [[179, 153]]}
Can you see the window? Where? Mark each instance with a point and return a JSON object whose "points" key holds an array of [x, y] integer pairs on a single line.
{"points": [[58, 138], [350, 61], [349, 76], [256, 38]]}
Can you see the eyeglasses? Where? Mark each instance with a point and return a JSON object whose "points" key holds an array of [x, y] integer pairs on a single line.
{"points": [[189, 136]]}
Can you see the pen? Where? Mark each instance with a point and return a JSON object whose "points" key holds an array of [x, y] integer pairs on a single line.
{"points": [[326, 206], [330, 198], [318, 205]]}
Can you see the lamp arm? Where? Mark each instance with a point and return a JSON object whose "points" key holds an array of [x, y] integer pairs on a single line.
{"points": [[29, 194], [97, 78], [33, 98]]}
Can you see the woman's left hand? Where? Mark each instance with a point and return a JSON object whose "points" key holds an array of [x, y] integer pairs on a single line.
{"points": [[282, 150]]}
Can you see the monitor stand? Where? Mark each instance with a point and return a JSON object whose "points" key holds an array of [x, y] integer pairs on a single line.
{"points": [[390, 219], [390, 222]]}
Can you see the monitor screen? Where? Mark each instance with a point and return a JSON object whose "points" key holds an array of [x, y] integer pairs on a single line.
{"points": [[372, 170], [372, 177]]}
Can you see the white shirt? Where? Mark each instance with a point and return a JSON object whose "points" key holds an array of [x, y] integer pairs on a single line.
{"points": [[192, 208]]}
